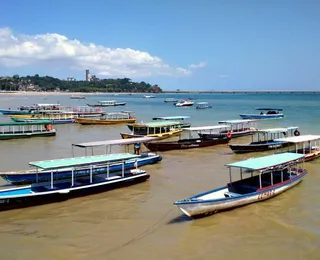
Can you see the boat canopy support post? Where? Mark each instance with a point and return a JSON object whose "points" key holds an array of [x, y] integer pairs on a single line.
{"points": [[108, 170], [230, 174], [51, 179], [282, 175], [260, 181], [91, 170], [241, 173], [72, 177], [123, 168], [271, 178]]}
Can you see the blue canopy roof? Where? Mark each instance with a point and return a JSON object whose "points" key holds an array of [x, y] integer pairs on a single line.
{"points": [[278, 109], [266, 161]]}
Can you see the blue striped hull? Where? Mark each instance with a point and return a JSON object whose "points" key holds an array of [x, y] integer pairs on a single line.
{"points": [[31, 177], [257, 116]]}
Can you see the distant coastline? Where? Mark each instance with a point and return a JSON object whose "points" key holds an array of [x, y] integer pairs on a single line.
{"points": [[163, 92]]}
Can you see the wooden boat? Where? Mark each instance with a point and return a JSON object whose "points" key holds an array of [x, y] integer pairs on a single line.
{"points": [[143, 158], [184, 103], [309, 145], [74, 186], [77, 97], [190, 142], [161, 129], [107, 103], [276, 174], [109, 119], [238, 128], [23, 110], [265, 140], [203, 105], [14, 130], [181, 119], [56, 118], [265, 113], [170, 100]]}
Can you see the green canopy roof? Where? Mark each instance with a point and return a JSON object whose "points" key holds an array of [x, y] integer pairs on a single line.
{"points": [[266, 161], [80, 161], [29, 123]]}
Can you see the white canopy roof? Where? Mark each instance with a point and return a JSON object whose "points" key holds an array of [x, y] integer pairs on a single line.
{"points": [[299, 139], [201, 128], [276, 130], [116, 142]]}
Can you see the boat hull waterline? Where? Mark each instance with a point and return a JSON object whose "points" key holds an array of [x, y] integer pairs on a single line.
{"points": [[185, 144], [38, 194], [31, 176], [194, 207]]}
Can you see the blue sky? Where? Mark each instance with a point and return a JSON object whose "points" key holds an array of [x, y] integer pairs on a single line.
{"points": [[199, 45]]}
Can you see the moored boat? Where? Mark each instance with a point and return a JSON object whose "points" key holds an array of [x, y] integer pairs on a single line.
{"points": [[264, 139], [238, 128], [203, 105], [265, 113], [109, 119], [276, 174], [148, 96], [309, 145], [169, 100], [56, 117], [107, 103], [184, 103], [161, 129], [74, 186], [77, 97], [143, 158], [191, 142], [181, 119], [15, 130]]}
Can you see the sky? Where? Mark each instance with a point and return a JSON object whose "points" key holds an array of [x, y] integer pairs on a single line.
{"points": [[177, 44]]}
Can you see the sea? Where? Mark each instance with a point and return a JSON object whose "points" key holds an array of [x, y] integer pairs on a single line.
{"points": [[141, 222]]}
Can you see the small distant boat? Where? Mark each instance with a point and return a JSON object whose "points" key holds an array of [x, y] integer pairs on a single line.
{"points": [[74, 186], [161, 129], [265, 113], [24, 110], [203, 105], [309, 145], [266, 140], [107, 103], [169, 100], [239, 128], [15, 130], [109, 118], [269, 176], [78, 97], [190, 143], [148, 96], [184, 103], [181, 119]]}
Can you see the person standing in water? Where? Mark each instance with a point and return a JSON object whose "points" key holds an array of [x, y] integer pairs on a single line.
{"points": [[137, 148]]}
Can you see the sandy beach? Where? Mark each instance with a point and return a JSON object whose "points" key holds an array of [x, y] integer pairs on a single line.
{"points": [[34, 93]]}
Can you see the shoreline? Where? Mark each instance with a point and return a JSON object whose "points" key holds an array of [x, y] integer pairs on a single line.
{"points": [[35, 93]]}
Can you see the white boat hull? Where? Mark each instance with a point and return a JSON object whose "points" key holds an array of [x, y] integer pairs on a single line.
{"points": [[217, 201]]}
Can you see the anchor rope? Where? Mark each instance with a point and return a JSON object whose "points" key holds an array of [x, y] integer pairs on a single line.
{"points": [[143, 234]]}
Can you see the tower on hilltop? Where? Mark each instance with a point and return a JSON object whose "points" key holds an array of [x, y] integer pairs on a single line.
{"points": [[88, 76]]}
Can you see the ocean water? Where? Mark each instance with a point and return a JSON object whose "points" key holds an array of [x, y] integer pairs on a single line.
{"points": [[140, 222]]}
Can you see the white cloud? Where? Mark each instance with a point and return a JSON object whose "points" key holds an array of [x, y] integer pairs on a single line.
{"points": [[58, 50], [202, 64]]}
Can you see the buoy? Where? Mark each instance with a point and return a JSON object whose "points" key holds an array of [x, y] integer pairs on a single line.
{"points": [[296, 133], [229, 134]]}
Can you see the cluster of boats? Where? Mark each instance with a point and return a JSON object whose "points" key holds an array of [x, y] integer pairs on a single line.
{"points": [[261, 178], [187, 103]]}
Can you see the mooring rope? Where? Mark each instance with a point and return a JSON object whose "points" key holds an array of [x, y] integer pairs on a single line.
{"points": [[146, 232]]}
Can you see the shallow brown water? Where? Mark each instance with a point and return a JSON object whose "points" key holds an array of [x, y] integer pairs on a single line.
{"points": [[140, 222]]}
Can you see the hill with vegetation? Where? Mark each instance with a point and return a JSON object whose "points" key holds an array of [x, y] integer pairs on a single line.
{"points": [[47, 83]]}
